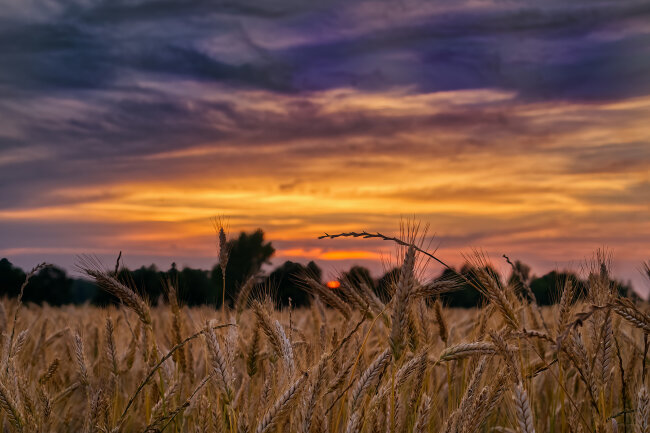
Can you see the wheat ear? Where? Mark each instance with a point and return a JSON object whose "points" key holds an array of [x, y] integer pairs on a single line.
{"points": [[368, 378], [111, 352], [522, 406], [7, 403], [281, 407], [218, 363], [464, 350], [354, 423], [112, 285], [423, 416], [642, 418], [312, 394], [400, 304], [81, 359], [328, 296], [628, 311]]}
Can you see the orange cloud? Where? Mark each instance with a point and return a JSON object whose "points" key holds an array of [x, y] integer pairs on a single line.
{"points": [[318, 253], [543, 180], [350, 255]]}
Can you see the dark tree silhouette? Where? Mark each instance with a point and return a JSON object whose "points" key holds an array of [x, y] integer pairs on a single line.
{"points": [[524, 271], [51, 285], [548, 288], [286, 282], [83, 291], [466, 296], [195, 287], [247, 255], [385, 284], [11, 277], [360, 274], [146, 280]]}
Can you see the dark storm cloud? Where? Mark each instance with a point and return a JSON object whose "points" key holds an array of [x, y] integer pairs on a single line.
{"points": [[112, 11], [553, 53], [548, 53], [101, 53], [136, 125]]}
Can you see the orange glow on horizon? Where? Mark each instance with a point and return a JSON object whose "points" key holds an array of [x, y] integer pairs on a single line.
{"points": [[319, 253], [350, 254]]}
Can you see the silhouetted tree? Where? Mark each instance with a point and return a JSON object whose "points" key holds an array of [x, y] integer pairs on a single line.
{"points": [[51, 285], [195, 287], [386, 284], [548, 288], [285, 280], [358, 274], [514, 279], [83, 290], [149, 282], [11, 278], [247, 255], [146, 280], [466, 296]]}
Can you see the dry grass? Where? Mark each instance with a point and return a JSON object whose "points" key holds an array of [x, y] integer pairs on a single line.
{"points": [[411, 365]]}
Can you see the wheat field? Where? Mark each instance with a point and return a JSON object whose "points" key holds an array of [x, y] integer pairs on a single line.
{"points": [[349, 363]]}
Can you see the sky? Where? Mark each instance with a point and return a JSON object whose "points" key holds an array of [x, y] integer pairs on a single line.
{"points": [[517, 127]]}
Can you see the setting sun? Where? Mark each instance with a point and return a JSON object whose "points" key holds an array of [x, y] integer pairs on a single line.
{"points": [[333, 284]]}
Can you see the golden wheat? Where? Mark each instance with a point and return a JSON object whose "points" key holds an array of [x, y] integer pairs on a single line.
{"points": [[360, 366]]}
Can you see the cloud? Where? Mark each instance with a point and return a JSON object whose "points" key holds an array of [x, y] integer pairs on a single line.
{"points": [[127, 124], [559, 52]]}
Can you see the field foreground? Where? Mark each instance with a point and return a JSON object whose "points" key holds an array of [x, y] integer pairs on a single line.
{"points": [[350, 363]]}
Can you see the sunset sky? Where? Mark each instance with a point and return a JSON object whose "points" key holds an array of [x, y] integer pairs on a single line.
{"points": [[518, 127]]}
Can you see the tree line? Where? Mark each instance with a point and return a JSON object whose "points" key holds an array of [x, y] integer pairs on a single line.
{"points": [[247, 254]]}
